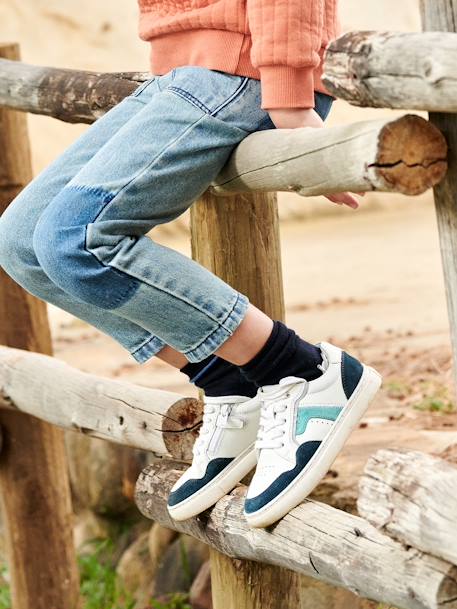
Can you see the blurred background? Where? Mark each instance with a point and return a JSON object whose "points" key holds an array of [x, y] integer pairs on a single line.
{"points": [[369, 280]]}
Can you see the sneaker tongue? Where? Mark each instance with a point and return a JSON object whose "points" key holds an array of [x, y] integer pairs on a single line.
{"points": [[287, 380], [325, 361], [227, 399], [291, 380]]}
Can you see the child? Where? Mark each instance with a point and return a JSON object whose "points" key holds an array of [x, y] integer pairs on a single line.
{"points": [[76, 237]]}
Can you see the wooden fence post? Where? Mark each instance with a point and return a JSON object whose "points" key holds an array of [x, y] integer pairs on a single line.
{"points": [[441, 15], [237, 238], [240, 584], [34, 485]]}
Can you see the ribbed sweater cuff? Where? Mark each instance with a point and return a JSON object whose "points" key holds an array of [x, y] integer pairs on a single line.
{"points": [[286, 87]]}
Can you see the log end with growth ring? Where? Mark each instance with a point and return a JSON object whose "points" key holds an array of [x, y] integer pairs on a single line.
{"points": [[412, 155], [180, 427], [447, 592]]}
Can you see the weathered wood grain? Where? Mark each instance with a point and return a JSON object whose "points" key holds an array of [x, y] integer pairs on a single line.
{"points": [[242, 584], [33, 466], [161, 422], [442, 15], [244, 248], [404, 155], [412, 497], [316, 540], [70, 95], [381, 69]]}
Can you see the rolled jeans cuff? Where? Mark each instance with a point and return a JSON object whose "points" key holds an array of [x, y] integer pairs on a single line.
{"points": [[224, 330], [148, 349], [210, 343]]}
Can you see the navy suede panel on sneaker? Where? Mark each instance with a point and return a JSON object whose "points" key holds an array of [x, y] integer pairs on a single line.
{"points": [[351, 373], [303, 455], [193, 485]]}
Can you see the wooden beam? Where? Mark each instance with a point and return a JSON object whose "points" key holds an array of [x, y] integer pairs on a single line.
{"points": [[268, 586], [414, 70], [442, 15], [237, 238], [403, 70], [161, 422], [412, 497], [33, 466], [313, 539], [72, 96], [404, 155]]}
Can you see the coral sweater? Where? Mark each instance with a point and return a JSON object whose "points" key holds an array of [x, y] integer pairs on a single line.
{"points": [[279, 42]]}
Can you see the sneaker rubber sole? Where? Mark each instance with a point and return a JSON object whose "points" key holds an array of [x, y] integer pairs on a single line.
{"points": [[219, 486], [321, 461]]}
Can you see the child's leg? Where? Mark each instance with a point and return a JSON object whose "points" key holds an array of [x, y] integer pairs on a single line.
{"points": [[17, 224], [90, 240]]}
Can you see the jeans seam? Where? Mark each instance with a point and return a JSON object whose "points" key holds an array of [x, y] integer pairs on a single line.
{"points": [[232, 97], [145, 342], [189, 97], [119, 300], [221, 325], [136, 92], [178, 297], [156, 158], [149, 350]]}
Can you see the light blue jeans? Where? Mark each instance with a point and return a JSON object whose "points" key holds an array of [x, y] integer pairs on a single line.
{"points": [[75, 236]]}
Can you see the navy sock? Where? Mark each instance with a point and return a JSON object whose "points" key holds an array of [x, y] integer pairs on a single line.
{"points": [[284, 354], [217, 377]]}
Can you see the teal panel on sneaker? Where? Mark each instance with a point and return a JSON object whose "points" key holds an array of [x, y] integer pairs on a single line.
{"points": [[330, 413]]}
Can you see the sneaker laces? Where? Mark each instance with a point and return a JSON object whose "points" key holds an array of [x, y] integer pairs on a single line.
{"points": [[325, 361], [215, 415], [272, 424]]}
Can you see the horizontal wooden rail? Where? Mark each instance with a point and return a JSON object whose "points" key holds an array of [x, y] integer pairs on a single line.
{"points": [[314, 539], [406, 155], [412, 497], [158, 421], [394, 69], [72, 96]]}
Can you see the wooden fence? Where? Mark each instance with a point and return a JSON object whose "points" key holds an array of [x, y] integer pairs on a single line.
{"points": [[401, 549]]}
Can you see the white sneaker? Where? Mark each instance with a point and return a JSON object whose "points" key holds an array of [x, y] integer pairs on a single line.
{"points": [[223, 453], [303, 427]]}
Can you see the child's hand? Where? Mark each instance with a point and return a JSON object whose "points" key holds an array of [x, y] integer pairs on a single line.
{"points": [[293, 118]]}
